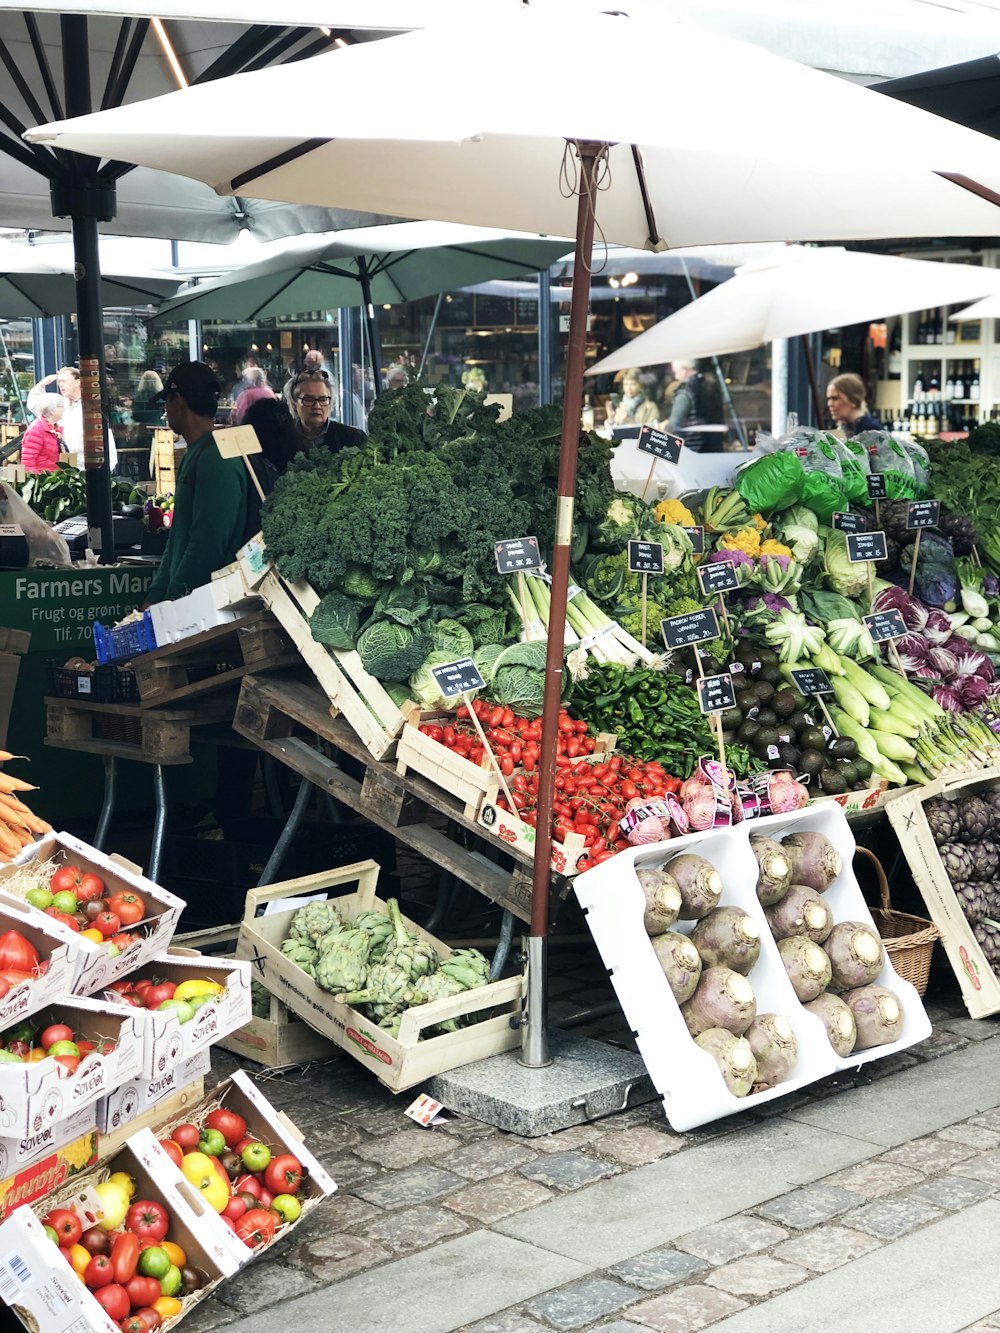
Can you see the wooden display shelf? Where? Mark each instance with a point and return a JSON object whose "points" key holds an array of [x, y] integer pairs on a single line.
{"points": [[129, 731], [213, 660]]}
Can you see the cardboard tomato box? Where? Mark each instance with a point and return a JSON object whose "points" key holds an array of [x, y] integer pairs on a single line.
{"points": [[16, 1153], [132, 1099], [166, 1039], [96, 967], [39, 1178], [42, 1289], [53, 945]]}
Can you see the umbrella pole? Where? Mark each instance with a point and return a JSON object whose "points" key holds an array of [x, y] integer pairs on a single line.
{"points": [[374, 354], [534, 1037], [807, 352], [430, 334]]}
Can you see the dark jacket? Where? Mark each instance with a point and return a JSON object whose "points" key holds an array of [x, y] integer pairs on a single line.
{"points": [[337, 436], [696, 403], [867, 422]]}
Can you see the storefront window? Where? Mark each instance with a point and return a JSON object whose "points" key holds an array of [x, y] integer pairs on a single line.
{"points": [[16, 367]]}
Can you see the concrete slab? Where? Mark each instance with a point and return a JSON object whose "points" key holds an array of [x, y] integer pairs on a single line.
{"points": [[913, 1102], [657, 1203], [908, 1285], [586, 1080], [441, 1289]]}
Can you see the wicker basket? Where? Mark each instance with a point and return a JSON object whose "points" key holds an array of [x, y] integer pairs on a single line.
{"points": [[909, 940]]}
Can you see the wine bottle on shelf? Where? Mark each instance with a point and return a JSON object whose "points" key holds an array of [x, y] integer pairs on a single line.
{"points": [[974, 386], [918, 385], [949, 332], [934, 386], [938, 327], [949, 386], [959, 383], [896, 351]]}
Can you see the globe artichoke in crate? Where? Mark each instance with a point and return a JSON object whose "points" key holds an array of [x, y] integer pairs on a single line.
{"points": [[943, 820], [976, 818], [343, 960], [957, 861], [379, 927], [972, 899], [415, 956], [985, 860], [314, 920]]}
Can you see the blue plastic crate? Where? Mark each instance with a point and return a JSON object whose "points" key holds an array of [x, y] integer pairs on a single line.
{"points": [[123, 642]]}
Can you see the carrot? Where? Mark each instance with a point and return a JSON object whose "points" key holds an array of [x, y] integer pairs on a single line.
{"points": [[8, 842], [9, 784], [9, 799], [5, 755], [20, 814], [24, 837]]}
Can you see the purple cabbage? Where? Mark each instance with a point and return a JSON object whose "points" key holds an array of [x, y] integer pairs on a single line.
{"points": [[947, 698]]}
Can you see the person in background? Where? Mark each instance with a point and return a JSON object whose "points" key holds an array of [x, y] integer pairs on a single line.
{"points": [[255, 387], [210, 500], [635, 407], [147, 409], [312, 401], [397, 376], [845, 401], [279, 439], [67, 381], [42, 441], [696, 402]]}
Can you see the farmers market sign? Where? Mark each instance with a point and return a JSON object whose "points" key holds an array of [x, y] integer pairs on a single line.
{"points": [[58, 607]]}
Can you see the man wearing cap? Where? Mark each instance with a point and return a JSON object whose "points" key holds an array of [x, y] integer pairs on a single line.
{"points": [[210, 504]]}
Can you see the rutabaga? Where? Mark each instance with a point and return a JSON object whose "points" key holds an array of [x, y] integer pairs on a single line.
{"points": [[774, 1048], [775, 872], [855, 953], [801, 912], [838, 1020], [734, 1057], [807, 966], [814, 859], [663, 900], [729, 937], [680, 961], [724, 999], [877, 1014], [699, 882]]}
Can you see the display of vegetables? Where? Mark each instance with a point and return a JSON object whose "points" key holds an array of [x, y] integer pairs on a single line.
{"points": [[44, 1036], [183, 999], [965, 828]]}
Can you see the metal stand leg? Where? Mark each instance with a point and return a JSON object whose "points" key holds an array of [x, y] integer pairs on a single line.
{"points": [[287, 833], [534, 1033], [503, 945], [159, 823], [108, 807]]}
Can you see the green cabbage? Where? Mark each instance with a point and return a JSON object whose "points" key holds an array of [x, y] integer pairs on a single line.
{"points": [[360, 584], [335, 621], [847, 577], [486, 624], [484, 656], [448, 636], [425, 689], [390, 651], [518, 679]]}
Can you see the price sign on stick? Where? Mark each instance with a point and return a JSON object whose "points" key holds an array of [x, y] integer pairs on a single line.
{"points": [[876, 486], [695, 627], [240, 442], [697, 536], [645, 557], [716, 693], [866, 546], [662, 446], [718, 577], [459, 678], [814, 681], [517, 555], [923, 514], [883, 625], [849, 522]]}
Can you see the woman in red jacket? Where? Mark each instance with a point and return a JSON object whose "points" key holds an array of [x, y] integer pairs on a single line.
{"points": [[42, 441]]}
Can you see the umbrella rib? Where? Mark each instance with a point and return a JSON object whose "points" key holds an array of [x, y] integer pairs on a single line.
{"points": [[245, 48], [653, 231], [279, 160], [973, 187], [115, 91], [284, 286], [43, 66], [291, 36], [43, 163], [121, 41], [21, 84]]}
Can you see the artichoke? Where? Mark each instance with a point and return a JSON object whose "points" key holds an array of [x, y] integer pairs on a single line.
{"points": [[343, 966], [260, 1000], [943, 819], [415, 956], [972, 900], [391, 1024], [379, 927], [301, 954], [314, 920], [992, 799], [985, 860], [387, 991], [468, 967], [957, 861], [443, 987], [975, 817], [988, 936]]}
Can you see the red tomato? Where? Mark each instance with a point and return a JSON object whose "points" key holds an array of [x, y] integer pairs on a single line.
{"points": [[89, 888], [173, 1151], [284, 1174], [187, 1135], [67, 1226], [66, 877], [247, 1184], [142, 1321], [55, 1032], [585, 863], [143, 1290], [148, 1219], [114, 1300], [154, 997], [235, 1208], [256, 1227], [71, 1063], [100, 1272], [127, 907], [230, 1125], [123, 940], [62, 917], [125, 1256], [107, 923]]}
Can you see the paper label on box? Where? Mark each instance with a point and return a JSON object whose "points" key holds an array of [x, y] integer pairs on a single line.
{"points": [[14, 1274], [293, 904], [425, 1111]]}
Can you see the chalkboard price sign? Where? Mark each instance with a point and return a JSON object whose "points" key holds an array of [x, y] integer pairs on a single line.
{"points": [[697, 536], [717, 577], [645, 557], [866, 546], [812, 680], [923, 514], [876, 486], [459, 677], [884, 625], [695, 627], [518, 555], [660, 444], [716, 693], [849, 522]]}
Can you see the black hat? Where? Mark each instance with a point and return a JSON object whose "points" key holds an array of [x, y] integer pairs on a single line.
{"points": [[191, 377]]}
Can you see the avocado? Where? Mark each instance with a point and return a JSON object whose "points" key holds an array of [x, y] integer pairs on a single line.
{"points": [[783, 703], [729, 737], [766, 736], [789, 754], [786, 734], [747, 733], [767, 656], [765, 691], [843, 747], [811, 762], [848, 771], [767, 717], [832, 782], [732, 719], [812, 739], [800, 720], [864, 768], [771, 673]]}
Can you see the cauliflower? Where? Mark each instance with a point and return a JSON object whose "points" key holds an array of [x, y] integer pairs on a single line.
{"points": [[743, 539], [674, 511], [771, 547], [759, 522]]}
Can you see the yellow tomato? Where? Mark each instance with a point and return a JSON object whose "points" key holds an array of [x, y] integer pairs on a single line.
{"points": [[167, 1306], [37, 1053], [189, 990], [177, 1256], [126, 1181], [92, 933], [79, 1257]]}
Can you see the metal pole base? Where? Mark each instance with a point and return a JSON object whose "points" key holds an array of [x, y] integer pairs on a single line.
{"points": [[534, 1030]]}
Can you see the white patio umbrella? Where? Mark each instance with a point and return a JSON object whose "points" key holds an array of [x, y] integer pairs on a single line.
{"points": [[727, 151], [987, 308], [31, 285], [799, 291]]}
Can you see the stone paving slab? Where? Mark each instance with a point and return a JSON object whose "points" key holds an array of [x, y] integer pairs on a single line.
{"points": [[896, 1289]]}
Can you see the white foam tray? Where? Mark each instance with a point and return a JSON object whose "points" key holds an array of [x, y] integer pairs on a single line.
{"points": [[685, 1076]]}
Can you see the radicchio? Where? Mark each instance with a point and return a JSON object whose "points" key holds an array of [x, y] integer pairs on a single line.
{"points": [[937, 630], [913, 646], [895, 599], [973, 664], [946, 698], [973, 690], [944, 662]]}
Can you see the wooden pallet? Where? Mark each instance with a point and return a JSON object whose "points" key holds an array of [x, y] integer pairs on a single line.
{"points": [[213, 660], [362, 700], [129, 731]]}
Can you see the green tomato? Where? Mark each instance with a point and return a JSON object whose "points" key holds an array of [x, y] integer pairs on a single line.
{"points": [[288, 1208], [155, 1262], [211, 1144], [256, 1156], [40, 898], [181, 1008], [170, 1282], [52, 1234], [65, 902]]}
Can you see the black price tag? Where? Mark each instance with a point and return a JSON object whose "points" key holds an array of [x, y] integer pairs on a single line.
{"points": [[645, 557], [866, 546], [659, 444], [518, 554], [459, 677], [812, 680], [849, 522], [923, 513], [697, 536], [716, 693], [720, 576], [695, 627], [882, 625], [876, 486]]}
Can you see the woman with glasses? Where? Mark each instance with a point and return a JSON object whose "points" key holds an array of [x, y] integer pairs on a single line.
{"points": [[312, 401]]}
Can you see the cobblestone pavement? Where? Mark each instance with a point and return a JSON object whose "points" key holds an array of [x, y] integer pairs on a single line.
{"points": [[433, 1226]]}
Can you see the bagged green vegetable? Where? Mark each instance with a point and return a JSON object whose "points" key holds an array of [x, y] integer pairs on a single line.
{"points": [[853, 468], [888, 456], [772, 482], [823, 490], [918, 456]]}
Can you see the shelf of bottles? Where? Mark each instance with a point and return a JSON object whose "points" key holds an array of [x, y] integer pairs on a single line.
{"points": [[941, 374]]}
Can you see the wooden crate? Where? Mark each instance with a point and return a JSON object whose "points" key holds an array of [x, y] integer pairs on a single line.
{"points": [[417, 753], [399, 1062], [358, 697], [129, 731], [514, 833], [213, 660]]}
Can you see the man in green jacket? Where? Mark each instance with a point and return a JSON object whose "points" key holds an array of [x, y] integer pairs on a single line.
{"points": [[210, 504]]}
